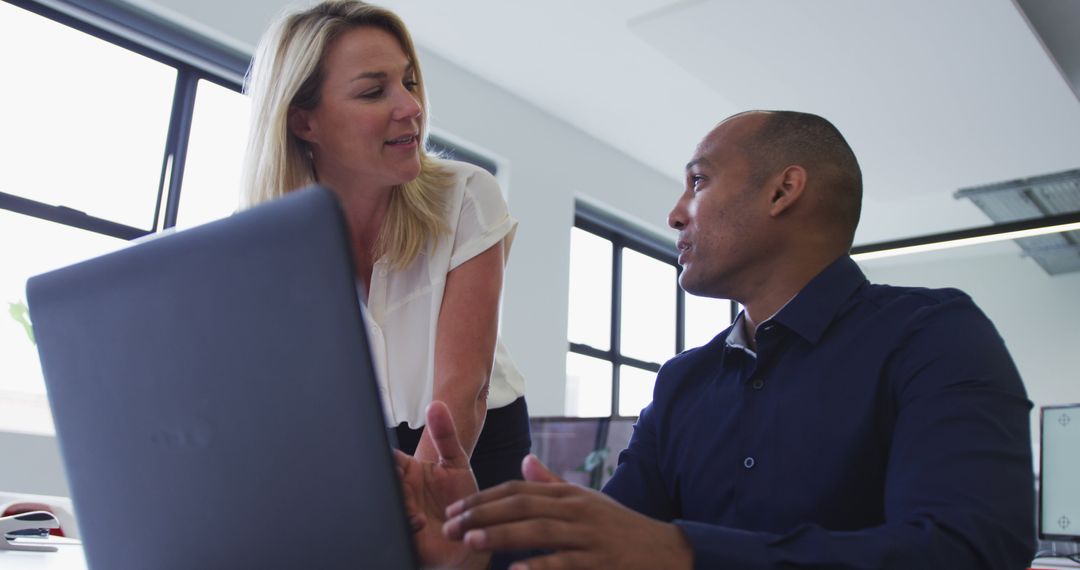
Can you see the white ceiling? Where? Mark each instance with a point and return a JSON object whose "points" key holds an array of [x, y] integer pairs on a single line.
{"points": [[934, 96]]}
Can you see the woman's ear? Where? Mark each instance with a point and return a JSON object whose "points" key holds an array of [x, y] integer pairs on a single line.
{"points": [[301, 124], [787, 188]]}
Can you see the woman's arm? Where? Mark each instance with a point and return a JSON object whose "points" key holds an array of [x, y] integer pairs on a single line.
{"points": [[465, 345]]}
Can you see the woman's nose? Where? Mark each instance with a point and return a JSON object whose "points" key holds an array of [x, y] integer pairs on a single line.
{"points": [[407, 106]]}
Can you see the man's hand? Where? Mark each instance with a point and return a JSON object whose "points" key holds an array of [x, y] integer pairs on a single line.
{"points": [[430, 487], [587, 528]]}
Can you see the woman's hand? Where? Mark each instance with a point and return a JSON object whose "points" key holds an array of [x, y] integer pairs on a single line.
{"points": [[430, 487]]}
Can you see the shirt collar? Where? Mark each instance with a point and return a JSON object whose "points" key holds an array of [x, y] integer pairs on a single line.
{"points": [[811, 311], [736, 338]]}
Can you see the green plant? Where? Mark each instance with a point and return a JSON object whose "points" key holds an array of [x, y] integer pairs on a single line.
{"points": [[21, 313], [593, 465]]}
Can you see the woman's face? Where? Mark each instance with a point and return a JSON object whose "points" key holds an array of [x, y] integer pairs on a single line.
{"points": [[366, 128]]}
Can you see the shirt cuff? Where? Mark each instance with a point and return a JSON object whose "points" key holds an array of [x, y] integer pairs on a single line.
{"points": [[721, 547]]}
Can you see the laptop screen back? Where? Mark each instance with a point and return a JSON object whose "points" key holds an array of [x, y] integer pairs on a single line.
{"points": [[214, 398]]}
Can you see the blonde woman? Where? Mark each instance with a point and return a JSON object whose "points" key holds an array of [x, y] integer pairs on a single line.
{"points": [[338, 99]]}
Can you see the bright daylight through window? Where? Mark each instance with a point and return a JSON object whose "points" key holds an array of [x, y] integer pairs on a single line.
{"points": [[626, 317], [91, 140]]}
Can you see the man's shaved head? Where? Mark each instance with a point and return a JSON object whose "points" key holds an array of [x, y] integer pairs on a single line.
{"points": [[785, 138]]}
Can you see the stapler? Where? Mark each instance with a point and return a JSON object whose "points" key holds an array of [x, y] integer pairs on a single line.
{"points": [[34, 524]]}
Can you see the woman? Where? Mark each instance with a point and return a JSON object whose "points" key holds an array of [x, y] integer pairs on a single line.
{"points": [[338, 99]]}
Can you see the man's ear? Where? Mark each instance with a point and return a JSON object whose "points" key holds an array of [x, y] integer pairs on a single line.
{"points": [[786, 189], [301, 124]]}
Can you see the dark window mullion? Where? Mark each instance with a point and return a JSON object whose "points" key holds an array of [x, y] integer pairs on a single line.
{"points": [[616, 319], [643, 364], [176, 145], [68, 217], [587, 350], [615, 359]]}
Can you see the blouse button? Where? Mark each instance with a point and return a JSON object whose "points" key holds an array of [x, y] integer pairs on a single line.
{"points": [[748, 462], [757, 384]]}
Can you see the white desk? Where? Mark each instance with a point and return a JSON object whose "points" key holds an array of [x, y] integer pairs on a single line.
{"points": [[69, 556], [1054, 563]]}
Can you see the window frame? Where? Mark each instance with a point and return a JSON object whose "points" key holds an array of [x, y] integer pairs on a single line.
{"points": [[104, 21], [622, 236], [195, 58]]}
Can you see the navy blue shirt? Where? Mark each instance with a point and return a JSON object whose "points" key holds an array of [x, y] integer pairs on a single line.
{"points": [[876, 427]]}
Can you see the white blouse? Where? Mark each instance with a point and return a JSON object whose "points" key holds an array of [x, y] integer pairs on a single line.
{"points": [[403, 306]]}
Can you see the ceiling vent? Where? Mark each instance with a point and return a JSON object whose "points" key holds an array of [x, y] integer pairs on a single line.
{"points": [[1032, 198]]}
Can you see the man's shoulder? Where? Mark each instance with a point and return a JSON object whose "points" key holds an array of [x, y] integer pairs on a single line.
{"points": [[883, 293], [948, 318], [907, 301]]}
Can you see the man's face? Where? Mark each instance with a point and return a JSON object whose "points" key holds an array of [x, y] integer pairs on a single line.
{"points": [[719, 217]]}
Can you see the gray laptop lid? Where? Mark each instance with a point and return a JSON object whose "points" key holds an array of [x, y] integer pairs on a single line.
{"points": [[215, 402]]}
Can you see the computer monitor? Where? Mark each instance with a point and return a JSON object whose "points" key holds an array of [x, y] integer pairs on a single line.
{"points": [[1059, 473], [584, 451]]}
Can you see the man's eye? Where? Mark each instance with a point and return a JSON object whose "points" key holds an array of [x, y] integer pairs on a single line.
{"points": [[696, 181]]}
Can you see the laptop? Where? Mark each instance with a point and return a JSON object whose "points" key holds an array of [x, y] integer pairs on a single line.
{"points": [[215, 401]]}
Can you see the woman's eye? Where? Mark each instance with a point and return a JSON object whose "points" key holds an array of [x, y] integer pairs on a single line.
{"points": [[372, 94], [410, 84]]}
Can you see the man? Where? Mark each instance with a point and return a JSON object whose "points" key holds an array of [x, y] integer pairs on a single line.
{"points": [[835, 424]]}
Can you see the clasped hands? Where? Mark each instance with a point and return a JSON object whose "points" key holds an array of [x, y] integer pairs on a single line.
{"points": [[457, 527]]}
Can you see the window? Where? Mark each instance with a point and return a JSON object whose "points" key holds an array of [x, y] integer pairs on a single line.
{"points": [[31, 246], [626, 316], [97, 109], [94, 156], [119, 125], [219, 126]]}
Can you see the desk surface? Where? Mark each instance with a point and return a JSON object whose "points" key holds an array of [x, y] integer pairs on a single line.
{"points": [[1054, 563], [69, 556]]}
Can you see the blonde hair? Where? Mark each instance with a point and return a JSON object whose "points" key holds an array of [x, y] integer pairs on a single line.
{"points": [[287, 72]]}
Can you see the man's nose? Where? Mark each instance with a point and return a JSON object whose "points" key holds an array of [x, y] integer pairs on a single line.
{"points": [[676, 219]]}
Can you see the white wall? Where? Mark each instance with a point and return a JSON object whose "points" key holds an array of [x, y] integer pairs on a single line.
{"points": [[31, 464]]}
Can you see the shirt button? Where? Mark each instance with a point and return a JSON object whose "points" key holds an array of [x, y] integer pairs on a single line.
{"points": [[757, 384], [748, 462]]}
